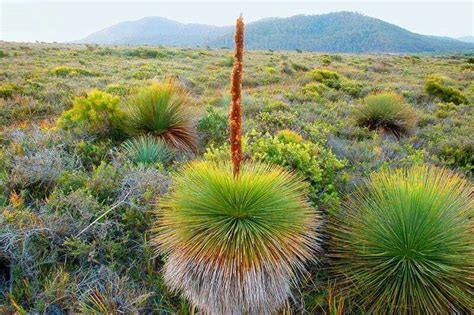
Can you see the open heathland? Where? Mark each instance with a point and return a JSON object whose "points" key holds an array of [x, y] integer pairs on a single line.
{"points": [[110, 152]]}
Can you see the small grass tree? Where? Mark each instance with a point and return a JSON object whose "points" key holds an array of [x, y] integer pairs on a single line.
{"points": [[236, 236], [387, 112]]}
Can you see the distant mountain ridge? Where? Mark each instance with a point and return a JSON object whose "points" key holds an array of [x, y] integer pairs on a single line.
{"points": [[467, 39], [333, 32]]}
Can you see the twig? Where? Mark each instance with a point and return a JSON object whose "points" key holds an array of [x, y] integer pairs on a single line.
{"points": [[104, 214]]}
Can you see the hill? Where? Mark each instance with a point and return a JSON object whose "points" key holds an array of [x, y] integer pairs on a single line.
{"points": [[333, 32], [157, 31], [467, 39]]}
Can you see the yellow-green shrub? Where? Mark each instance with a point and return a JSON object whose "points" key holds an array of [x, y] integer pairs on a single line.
{"points": [[329, 78], [7, 89], [443, 88], [97, 113], [314, 89], [317, 164], [65, 71]]}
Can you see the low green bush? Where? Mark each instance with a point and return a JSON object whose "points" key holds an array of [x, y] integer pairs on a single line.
{"points": [[66, 71], [443, 88], [273, 121], [92, 152], [329, 78], [98, 113], [214, 126], [277, 106], [314, 89], [104, 182], [117, 89], [289, 136], [8, 89], [316, 163], [351, 87], [458, 153], [144, 52], [334, 80], [299, 67], [227, 61]]}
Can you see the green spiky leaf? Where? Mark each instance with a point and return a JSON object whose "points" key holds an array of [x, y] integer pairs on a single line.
{"points": [[405, 244]]}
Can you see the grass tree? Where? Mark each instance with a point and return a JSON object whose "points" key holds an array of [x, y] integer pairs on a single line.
{"points": [[387, 112], [146, 150], [236, 235], [161, 109], [404, 244]]}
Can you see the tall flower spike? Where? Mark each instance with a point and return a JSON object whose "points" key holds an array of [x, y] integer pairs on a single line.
{"points": [[235, 119]]}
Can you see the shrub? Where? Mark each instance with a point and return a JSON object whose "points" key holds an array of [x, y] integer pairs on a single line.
{"points": [[92, 152], [314, 89], [299, 67], [98, 113], [146, 150], [79, 204], [287, 69], [316, 164], [144, 52], [161, 109], [235, 244], [66, 71], [275, 120], [41, 167], [105, 181], [227, 61], [405, 244], [277, 106], [7, 89], [442, 88], [351, 87], [213, 126], [387, 112], [289, 136], [143, 186], [329, 78], [117, 89], [457, 153]]}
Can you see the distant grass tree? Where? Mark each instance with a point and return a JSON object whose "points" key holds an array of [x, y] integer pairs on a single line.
{"points": [[162, 110], [387, 112], [405, 244]]}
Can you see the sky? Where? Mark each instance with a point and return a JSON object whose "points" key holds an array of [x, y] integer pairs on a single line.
{"points": [[68, 20]]}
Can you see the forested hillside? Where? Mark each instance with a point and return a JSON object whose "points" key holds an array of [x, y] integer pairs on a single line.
{"points": [[334, 32]]}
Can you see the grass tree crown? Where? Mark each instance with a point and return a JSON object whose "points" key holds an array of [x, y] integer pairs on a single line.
{"points": [[405, 244], [161, 109], [236, 244], [387, 112]]}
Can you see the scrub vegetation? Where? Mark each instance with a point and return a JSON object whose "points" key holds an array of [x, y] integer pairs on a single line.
{"points": [[347, 187]]}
